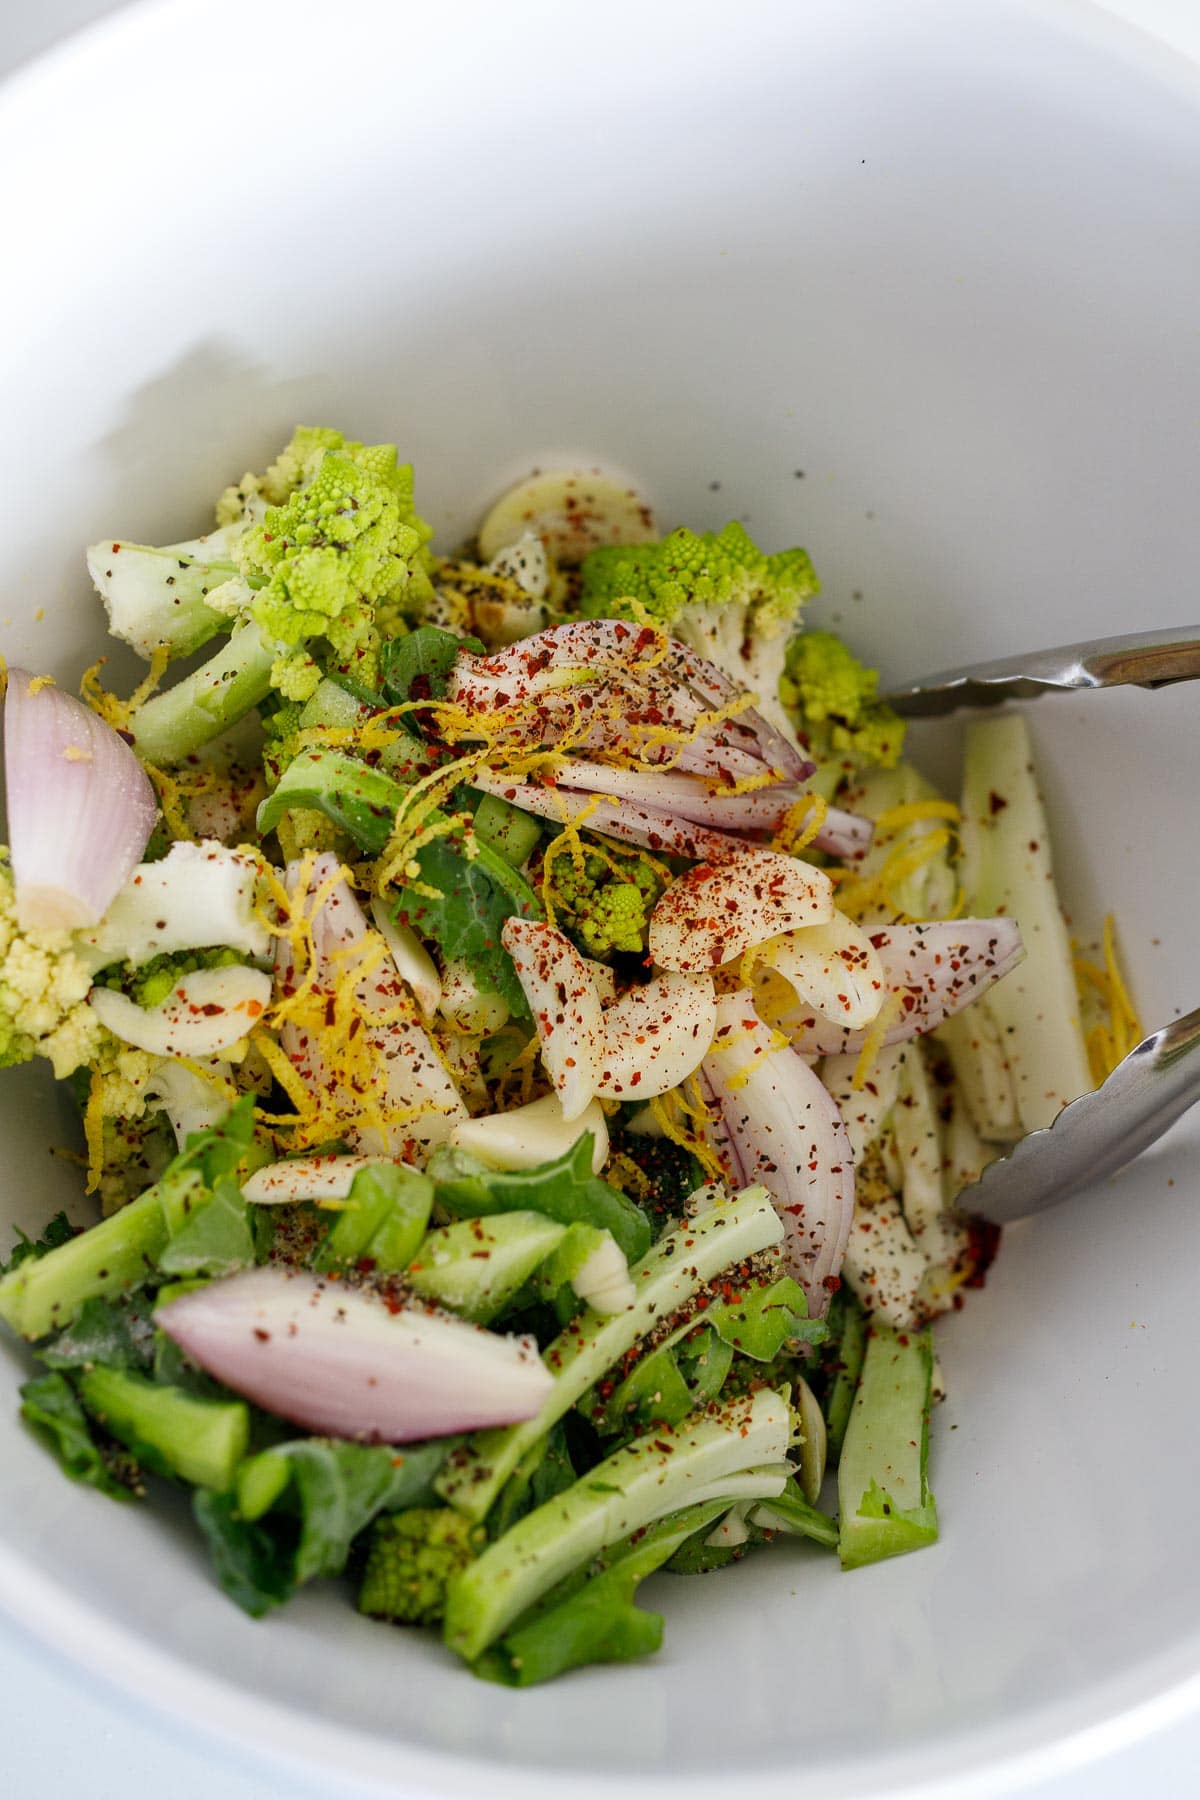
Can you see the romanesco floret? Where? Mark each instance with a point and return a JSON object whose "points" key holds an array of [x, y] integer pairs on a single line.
{"points": [[411, 1560], [717, 593], [44, 986], [604, 903], [296, 463], [339, 559], [832, 698], [327, 556]]}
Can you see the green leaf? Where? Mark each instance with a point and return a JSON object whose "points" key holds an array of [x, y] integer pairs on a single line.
{"points": [[50, 1405], [103, 1333], [546, 1470], [300, 1506], [759, 1320], [216, 1240], [417, 665], [59, 1231], [564, 1189], [219, 1149], [473, 898], [360, 800], [252, 1563]]}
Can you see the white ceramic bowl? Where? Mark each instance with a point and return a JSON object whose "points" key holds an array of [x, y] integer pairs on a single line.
{"points": [[943, 260]]}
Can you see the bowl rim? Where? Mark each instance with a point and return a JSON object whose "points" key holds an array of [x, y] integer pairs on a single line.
{"points": [[969, 1763]]}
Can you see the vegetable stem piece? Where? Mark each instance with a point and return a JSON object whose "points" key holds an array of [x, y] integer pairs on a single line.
{"points": [[734, 1453], [172, 725], [667, 1277], [43, 1295], [170, 1431], [1006, 869], [884, 1498]]}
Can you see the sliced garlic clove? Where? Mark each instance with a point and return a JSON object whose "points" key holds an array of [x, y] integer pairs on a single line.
{"points": [[572, 511]]}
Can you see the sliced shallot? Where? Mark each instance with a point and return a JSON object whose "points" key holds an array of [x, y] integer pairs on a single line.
{"points": [[714, 912], [772, 1121], [607, 685], [80, 806], [934, 970], [656, 1036], [337, 1359], [205, 1012], [565, 1004], [407, 1083]]}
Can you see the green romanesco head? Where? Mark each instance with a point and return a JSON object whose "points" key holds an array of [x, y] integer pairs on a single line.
{"points": [[604, 902], [411, 1560], [323, 561], [298, 462], [833, 699], [711, 570], [43, 993]]}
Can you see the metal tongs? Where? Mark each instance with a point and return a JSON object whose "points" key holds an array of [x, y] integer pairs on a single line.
{"points": [[1101, 1132], [1148, 659]]}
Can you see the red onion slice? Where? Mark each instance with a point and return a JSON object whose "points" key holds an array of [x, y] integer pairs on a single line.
{"points": [[337, 1359], [656, 1036], [80, 806], [687, 796], [773, 1122], [714, 912], [205, 1013], [565, 1004], [936, 970], [622, 686], [845, 835]]}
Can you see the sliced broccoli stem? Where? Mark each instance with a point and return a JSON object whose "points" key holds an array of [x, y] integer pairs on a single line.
{"points": [[593, 1618], [334, 707], [733, 1453], [157, 596], [507, 830], [261, 1481], [851, 1348], [666, 1278], [884, 1500], [1006, 869], [169, 1430], [42, 1295], [171, 725], [475, 1266], [384, 1219]]}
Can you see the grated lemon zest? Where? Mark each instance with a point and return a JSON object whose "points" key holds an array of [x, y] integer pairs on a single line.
{"points": [[800, 824], [874, 1040]]}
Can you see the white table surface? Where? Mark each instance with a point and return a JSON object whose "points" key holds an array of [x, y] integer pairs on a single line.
{"points": [[61, 1734]]}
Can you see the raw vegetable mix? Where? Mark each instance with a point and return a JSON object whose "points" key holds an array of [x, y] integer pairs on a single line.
{"points": [[531, 1028]]}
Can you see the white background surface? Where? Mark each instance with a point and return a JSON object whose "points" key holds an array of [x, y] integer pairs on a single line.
{"points": [[61, 1737]]}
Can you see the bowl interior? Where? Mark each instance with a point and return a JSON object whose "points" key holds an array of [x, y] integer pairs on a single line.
{"points": [[916, 290]]}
